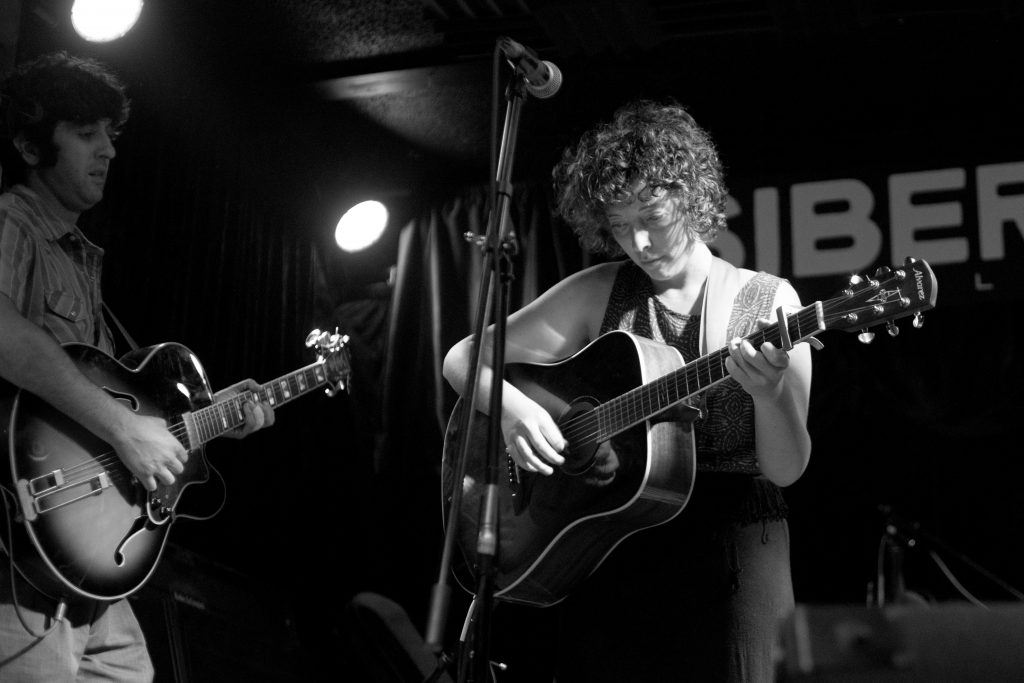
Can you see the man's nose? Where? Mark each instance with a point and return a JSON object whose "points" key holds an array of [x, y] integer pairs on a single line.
{"points": [[107, 149]]}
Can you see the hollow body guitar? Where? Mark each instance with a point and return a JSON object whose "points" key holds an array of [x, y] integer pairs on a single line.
{"points": [[630, 461], [81, 523]]}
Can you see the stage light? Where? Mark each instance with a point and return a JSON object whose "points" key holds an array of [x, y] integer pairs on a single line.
{"points": [[100, 21], [361, 226]]}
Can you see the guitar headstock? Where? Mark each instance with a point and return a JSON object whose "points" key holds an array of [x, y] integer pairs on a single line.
{"points": [[892, 293], [332, 350]]}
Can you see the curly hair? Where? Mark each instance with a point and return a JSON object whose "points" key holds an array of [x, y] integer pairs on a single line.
{"points": [[57, 87], [657, 144]]}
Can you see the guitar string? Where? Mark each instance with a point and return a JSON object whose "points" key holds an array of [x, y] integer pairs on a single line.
{"points": [[109, 460], [622, 411], [205, 419], [621, 417]]}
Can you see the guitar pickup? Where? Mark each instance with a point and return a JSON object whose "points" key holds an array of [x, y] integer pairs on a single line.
{"points": [[47, 482], [51, 491]]}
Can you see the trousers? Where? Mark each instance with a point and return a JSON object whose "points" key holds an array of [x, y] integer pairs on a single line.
{"points": [[95, 641]]}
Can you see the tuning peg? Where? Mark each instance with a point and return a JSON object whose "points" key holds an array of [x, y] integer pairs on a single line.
{"points": [[856, 279], [337, 340], [883, 272], [313, 337], [918, 320], [892, 329], [866, 337]]}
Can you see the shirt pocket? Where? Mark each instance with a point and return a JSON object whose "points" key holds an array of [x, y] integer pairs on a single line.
{"points": [[65, 305]]}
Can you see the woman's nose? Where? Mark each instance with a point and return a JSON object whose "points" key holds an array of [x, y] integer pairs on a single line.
{"points": [[641, 240]]}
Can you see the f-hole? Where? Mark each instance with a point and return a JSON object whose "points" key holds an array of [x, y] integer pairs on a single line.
{"points": [[128, 399]]}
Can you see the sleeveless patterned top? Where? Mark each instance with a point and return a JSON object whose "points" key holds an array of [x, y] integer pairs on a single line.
{"points": [[724, 437]]}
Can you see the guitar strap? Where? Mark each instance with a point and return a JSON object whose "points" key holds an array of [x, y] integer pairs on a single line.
{"points": [[120, 327], [724, 283]]}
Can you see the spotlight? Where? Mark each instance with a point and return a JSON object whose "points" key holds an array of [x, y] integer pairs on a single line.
{"points": [[361, 226], [100, 21]]}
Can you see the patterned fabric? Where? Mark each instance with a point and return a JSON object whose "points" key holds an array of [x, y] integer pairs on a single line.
{"points": [[725, 435], [51, 271]]}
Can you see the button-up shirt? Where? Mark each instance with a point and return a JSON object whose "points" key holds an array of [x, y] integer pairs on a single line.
{"points": [[51, 271]]}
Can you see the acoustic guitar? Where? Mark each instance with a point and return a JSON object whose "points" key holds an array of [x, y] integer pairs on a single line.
{"points": [[630, 463], [81, 523]]}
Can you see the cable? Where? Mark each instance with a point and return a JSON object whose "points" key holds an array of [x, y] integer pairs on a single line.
{"points": [[62, 604], [953, 580]]}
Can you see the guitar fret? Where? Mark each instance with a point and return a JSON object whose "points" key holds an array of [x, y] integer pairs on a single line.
{"points": [[215, 419]]}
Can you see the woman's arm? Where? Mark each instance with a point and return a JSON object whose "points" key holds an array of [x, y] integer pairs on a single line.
{"points": [[552, 327], [780, 385]]}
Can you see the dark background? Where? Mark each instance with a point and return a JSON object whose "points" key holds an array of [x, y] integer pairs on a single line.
{"points": [[256, 123]]}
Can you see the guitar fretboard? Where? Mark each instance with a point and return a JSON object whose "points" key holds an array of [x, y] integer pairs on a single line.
{"points": [[223, 416], [646, 401]]}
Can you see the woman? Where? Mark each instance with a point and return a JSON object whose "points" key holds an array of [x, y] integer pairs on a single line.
{"points": [[713, 583]]}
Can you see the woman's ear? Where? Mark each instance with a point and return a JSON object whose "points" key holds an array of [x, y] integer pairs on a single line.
{"points": [[28, 150]]}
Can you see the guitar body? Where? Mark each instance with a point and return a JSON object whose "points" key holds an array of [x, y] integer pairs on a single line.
{"points": [[555, 530], [84, 525]]}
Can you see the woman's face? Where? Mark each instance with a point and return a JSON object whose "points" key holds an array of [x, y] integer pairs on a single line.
{"points": [[651, 227]]}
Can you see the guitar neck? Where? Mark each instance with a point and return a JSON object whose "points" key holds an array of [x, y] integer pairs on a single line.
{"points": [[214, 420], [646, 401]]}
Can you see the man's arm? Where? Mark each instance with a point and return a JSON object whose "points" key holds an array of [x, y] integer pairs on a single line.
{"points": [[33, 361]]}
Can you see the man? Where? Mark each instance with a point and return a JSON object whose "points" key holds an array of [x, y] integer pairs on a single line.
{"points": [[62, 116]]}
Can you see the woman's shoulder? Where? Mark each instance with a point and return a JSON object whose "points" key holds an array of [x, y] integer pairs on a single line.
{"points": [[780, 289], [606, 270]]}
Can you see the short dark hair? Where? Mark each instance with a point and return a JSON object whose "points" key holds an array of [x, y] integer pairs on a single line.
{"points": [[656, 143], [57, 87]]}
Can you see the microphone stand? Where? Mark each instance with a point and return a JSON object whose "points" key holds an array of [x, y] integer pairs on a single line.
{"points": [[500, 246], [901, 533]]}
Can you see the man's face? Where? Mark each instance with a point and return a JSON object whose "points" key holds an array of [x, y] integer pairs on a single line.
{"points": [[84, 152]]}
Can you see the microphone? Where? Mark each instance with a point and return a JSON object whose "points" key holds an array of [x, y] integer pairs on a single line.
{"points": [[543, 79]]}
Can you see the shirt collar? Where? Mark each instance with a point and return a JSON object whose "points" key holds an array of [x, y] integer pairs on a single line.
{"points": [[54, 228]]}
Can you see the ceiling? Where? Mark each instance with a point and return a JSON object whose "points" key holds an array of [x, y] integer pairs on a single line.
{"points": [[422, 69], [413, 80]]}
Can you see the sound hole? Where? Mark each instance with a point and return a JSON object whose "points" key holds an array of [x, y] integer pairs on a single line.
{"points": [[579, 457]]}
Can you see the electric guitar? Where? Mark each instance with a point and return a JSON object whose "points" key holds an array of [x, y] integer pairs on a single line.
{"points": [[81, 523], [630, 461]]}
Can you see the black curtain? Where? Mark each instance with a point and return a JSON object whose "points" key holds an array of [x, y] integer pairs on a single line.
{"points": [[400, 338], [435, 302]]}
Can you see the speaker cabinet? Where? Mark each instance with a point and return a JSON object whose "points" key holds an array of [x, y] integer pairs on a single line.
{"points": [[949, 642], [206, 622]]}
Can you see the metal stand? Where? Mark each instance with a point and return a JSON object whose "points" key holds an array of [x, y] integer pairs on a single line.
{"points": [[902, 534], [499, 247]]}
